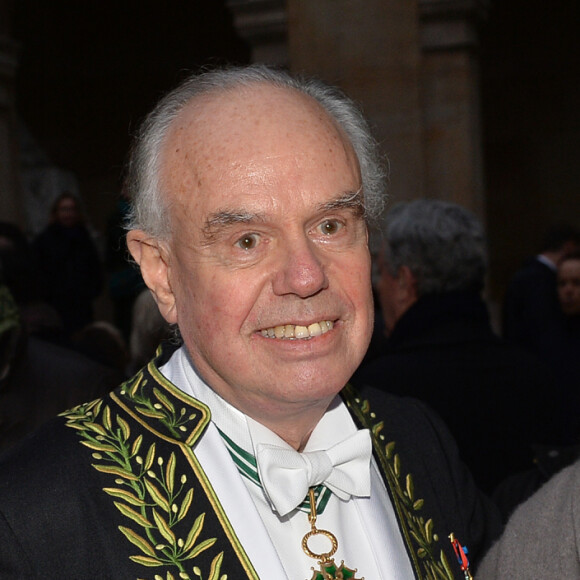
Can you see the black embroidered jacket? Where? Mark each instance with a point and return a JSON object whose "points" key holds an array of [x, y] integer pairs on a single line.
{"points": [[113, 489]]}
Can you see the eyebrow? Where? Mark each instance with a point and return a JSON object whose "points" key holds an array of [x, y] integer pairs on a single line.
{"points": [[216, 222], [352, 200], [220, 220]]}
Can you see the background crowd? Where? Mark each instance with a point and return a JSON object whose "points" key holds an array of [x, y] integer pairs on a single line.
{"points": [[55, 353]]}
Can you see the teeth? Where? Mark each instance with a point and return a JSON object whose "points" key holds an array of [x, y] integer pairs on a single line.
{"points": [[315, 329], [291, 331], [301, 332]]}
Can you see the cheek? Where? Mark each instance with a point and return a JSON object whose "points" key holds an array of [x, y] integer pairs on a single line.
{"points": [[216, 304], [355, 276]]}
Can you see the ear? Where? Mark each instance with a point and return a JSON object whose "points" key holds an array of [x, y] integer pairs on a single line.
{"points": [[153, 259], [407, 283]]}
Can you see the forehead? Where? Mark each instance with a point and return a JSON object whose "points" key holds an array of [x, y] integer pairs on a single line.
{"points": [[66, 203], [246, 113], [569, 269], [230, 147]]}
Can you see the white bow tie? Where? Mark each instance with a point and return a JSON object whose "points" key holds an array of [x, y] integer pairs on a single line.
{"points": [[286, 474]]}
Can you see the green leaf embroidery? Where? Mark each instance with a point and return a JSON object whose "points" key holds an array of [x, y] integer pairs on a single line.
{"points": [[157, 496], [201, 547], [97, 446], [185, 505], [214, 571], [410, 487], [124, 494], [170, 473], [150, 413], [116, 471], [124, 427], [136, 445], [146, 561], [150, 490], [164, 528], [138, 541], [433, 562], [131, 513], [150, 457], [194, 533], [164, 400]]}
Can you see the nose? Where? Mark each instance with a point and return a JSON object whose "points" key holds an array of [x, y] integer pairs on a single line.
{"points": [[300, 270]]}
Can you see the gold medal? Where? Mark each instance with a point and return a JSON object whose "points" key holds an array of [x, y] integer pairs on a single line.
{"points": [[328, 570]]}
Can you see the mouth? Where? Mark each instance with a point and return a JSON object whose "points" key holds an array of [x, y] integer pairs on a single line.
{"points": [[298, 332]]}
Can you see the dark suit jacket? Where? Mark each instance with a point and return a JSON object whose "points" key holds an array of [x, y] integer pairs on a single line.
{"points": [[531, 313], [43, 380], [91, 495], [496, 399]]}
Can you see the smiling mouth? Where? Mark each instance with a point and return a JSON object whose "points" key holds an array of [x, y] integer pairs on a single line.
{"points": [[297, 332]]}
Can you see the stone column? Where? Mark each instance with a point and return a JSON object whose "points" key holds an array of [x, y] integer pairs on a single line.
{"points": [[371, 50], [412, 64], [264, 25], [450, 101]]}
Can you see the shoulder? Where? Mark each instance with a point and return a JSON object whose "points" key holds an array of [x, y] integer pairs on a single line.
{"points": [[403, 416], [421, 439], [533, 270], [416, 449], [393, 407], [61, 377], [42, 476], [540, 539], [553, 506]]}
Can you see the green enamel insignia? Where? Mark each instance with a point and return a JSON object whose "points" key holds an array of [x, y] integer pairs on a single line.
{"points": [[149, 489], [331, 571], [429, 561]]}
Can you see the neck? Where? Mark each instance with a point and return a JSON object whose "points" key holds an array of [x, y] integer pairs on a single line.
{"points": [[293, 425], [293, 421]]}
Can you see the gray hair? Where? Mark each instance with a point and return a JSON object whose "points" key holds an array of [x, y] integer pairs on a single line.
{"points": [[442, 243], [142, 180]]}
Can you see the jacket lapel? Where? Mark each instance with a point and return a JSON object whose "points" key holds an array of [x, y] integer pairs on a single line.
{"points": [[423, 545]]}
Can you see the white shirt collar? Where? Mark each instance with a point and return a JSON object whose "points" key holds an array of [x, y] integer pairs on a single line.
{"points": [[547, 262], [335, 425]]}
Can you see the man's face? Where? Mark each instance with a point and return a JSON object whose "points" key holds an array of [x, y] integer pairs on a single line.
{"points": [[569, 286], [67, 212], [268, 258]]}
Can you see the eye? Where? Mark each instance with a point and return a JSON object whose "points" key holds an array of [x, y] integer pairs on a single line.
{"points": [[248, 241], [330, 227]]}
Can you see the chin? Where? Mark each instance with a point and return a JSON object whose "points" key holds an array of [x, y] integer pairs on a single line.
{"points": [[316, 384]]}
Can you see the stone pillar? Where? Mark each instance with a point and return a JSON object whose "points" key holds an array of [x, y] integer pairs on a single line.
{"points": [[412, 64], [11, 208], [371, 50], [264, 25], [450, 101]]}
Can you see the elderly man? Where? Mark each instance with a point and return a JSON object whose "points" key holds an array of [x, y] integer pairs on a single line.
{"points": [[235, 456], [496, 398]]}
